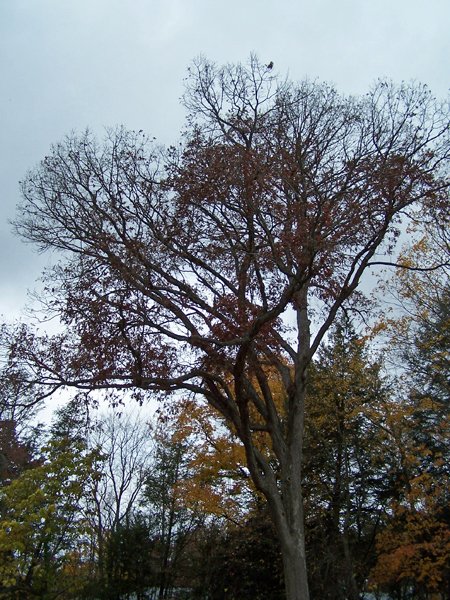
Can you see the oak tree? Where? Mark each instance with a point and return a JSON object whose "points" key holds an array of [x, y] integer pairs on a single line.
{"points": [[203, 268]]}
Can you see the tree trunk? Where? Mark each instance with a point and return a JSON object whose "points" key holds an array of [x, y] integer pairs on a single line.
{"points": [[288, 518], [287, 515], [292, 531], [295, 575]]}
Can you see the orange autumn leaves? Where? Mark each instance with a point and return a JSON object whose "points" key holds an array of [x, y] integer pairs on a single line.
{"points": [[414, 548], [219, 483]]}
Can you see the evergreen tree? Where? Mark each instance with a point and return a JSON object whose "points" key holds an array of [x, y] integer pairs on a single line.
{"points": [[345, 464]]}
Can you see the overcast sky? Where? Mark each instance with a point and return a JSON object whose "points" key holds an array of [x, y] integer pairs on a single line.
{"points": [[70, 64]]}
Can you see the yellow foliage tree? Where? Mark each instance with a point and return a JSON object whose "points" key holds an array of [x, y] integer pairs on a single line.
{"points": [[43, 525]]}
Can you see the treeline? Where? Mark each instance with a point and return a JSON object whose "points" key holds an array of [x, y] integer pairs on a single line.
{"points": [[117, 507]]}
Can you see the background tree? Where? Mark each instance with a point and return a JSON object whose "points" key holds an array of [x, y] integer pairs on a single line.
{"points": [[18, 400], [413, 549], [43, 524], [173, 520], [425, 323], [246, 562], [129, 561], [198, 269], [15, 453], [73, 421], [125, 442], [217, 482], [20, 433], [347, 460]]}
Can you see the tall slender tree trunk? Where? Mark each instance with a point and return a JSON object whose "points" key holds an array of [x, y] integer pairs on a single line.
{"points": [[292, 537], [295, 574], [285, 502], [288, 517]]}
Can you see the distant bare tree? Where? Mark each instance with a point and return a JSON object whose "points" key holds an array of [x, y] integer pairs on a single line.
{"points": [[126, 445]]}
